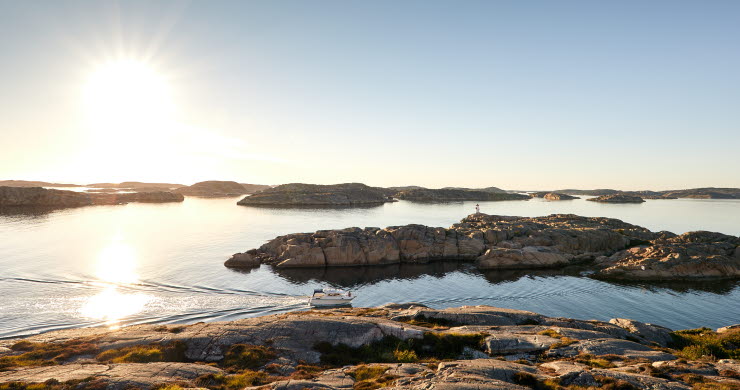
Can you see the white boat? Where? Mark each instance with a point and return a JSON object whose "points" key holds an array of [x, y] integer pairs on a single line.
{"points": [[330, 297]]}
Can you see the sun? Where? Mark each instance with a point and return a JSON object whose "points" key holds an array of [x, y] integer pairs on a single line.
{"points": [[127, 96]]}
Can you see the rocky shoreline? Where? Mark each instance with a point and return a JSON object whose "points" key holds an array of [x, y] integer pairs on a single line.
{"points": [[612, 248], [398, 346]]}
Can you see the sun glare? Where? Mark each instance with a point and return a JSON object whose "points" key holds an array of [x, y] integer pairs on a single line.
{"points": [[116, 264], [127, 96]]}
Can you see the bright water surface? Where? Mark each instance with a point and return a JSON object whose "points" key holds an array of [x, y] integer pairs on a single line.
{"points": [[163, 263]]}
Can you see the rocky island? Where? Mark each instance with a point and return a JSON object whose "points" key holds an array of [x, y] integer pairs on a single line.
{"points": [[214, 188], [552, 196], [298, 194], [612, 248], [396, 346], [456, 194], [695, 193], [49, 198], [617, 198]]}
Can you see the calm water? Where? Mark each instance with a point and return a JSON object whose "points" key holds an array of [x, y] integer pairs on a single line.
{"points": [[146, 263]]}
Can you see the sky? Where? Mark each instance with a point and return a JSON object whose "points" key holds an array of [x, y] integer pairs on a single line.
{"points": [[521, 95]]}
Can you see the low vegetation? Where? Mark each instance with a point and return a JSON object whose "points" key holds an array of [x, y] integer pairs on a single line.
{"points": [[232, 382], [432, 347], [564, 341], [706, 344], [371, 377], [430, 322], [245, 356], [156, 352], [45, 354], [595, 361], [53, 384]]}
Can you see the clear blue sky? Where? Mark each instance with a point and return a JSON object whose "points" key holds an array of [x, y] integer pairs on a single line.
{"points": [[519, 95]]}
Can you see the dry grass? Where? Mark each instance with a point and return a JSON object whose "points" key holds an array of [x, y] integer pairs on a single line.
{"points": [[371, 377], [171, 352], [46, 354]]}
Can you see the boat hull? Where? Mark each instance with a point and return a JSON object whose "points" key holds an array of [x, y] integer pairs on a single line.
{"points": [[330, 301]]}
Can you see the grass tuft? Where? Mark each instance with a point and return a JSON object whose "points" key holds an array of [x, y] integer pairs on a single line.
{"points": [[170, 352], [245, 356]]}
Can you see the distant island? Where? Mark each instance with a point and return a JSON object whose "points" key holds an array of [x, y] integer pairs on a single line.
{"points": [[215, 188], [695, 193], [456, 194], [299, 194], [552, 195], [358, 194], [617, 198], [51, 198], [27, 183]]}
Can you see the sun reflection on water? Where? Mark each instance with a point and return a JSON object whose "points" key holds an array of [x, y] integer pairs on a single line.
{"points": [[115, 267]]}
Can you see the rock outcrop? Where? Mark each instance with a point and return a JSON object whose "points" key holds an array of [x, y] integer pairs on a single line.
{"points": [[688, 256], [47, 198], [617, 198], [396, 346], [493, 241], [613, 249], [454, 195], [213, 188], [242, 260], [335, 195]]}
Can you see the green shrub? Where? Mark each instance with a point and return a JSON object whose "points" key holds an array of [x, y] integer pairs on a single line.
{"points": [[405, 356], [703, 343]]}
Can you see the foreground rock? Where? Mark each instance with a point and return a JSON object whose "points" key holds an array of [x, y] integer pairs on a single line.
{"points": [[396, 346], [692, 255], [490, 240], [297, 194], [47, 198], [617, 198], [452, 194], [214, 188]]}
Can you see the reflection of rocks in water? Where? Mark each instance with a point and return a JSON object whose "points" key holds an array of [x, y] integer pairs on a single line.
{"points": [[501, 276], [352, 276], [721, 287], [244, 270], [28, 212], [312, 207]]}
